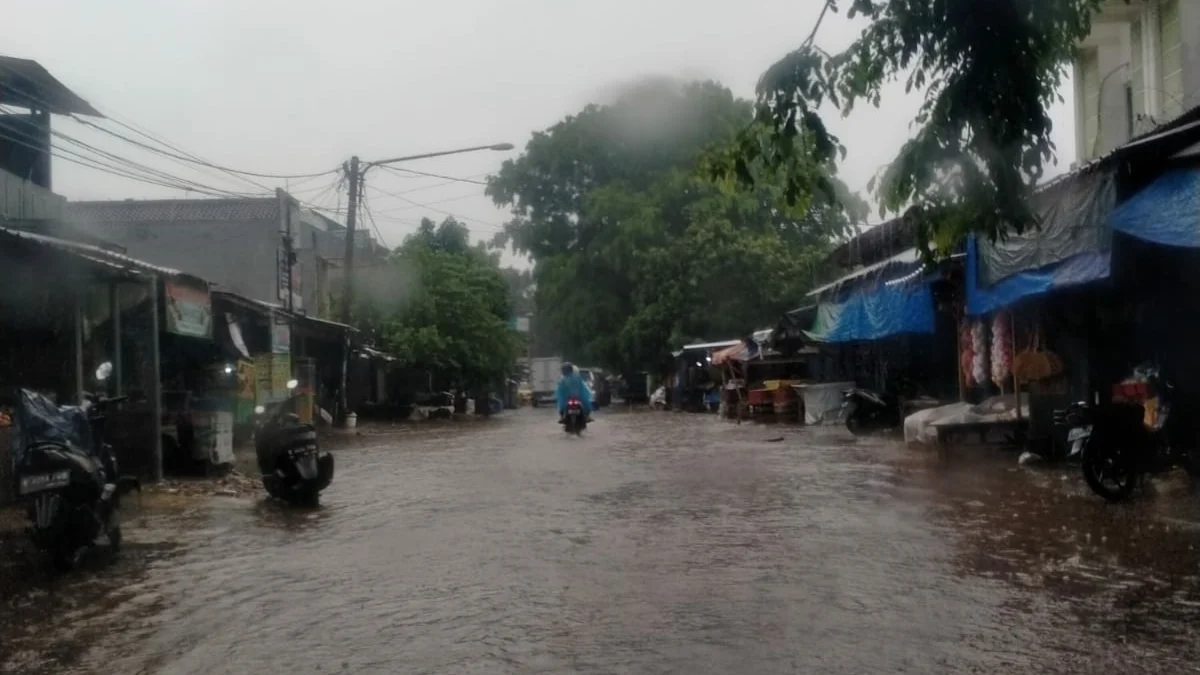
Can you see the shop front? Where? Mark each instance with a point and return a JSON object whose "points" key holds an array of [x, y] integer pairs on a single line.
{"points": [[66, 308]]}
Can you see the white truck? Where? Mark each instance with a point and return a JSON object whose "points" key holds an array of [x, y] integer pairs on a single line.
{"points": [[543, 377]]}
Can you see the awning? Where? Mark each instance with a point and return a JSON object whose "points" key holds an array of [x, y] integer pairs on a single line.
{"points": [[1167, 211], [874, 313], [1078, 269], [908, 258]]}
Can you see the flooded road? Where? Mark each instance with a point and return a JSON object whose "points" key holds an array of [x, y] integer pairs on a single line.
{"points": [[657, 543]]}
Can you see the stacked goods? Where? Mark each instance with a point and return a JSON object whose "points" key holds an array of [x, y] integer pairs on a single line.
{"points": [[979, 362], [1001, 349], [966, 360]]}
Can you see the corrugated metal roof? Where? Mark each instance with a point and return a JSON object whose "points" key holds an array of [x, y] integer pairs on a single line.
{"points": [[26, 84], [168, 210], [96, 254], [906, 258]]}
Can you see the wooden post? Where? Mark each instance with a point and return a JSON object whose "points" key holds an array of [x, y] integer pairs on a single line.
{"points": [[155, 387], [114, 311], [962, 377], [1012, 346]]}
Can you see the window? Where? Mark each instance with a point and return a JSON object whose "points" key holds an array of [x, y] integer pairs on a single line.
{"points": [[1089, 98], [1172, 95], [1137, 73], [1130, 113]]}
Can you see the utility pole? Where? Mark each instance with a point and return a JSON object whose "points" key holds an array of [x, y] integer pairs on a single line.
{"points": [[355, 179]]}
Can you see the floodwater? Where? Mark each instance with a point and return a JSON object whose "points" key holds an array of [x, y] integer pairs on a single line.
{"points": [[657, 543]]}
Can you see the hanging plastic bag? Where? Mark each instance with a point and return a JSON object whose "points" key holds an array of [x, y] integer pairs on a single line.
{"points": [[979, 363], [1001, 349]]}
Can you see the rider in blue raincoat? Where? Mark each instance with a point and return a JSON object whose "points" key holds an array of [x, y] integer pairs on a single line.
{"points": [[571, 384]]}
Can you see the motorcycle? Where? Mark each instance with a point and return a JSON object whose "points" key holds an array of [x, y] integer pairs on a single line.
{"points": [[864, 411], [1076, 420], [293, 469], [67, 474], [1120, 443], [574, 420]]}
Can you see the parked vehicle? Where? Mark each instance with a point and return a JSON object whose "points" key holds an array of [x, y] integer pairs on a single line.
{"points": [[543, 377], [598, 386], [67, 474], [865, 411], [1122, 442], [574, 420], [1076, 421], [293, 469]]}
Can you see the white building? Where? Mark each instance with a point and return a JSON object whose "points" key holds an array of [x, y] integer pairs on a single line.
{"points": [[1138, 69]]}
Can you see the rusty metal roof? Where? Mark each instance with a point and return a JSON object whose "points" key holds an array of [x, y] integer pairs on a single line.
{"points": [[96, 254], [168, 210], [26, 84]]}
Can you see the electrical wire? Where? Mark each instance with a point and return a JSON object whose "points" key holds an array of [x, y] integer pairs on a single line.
{"points": [[366, 208], [452, 179], [434, 209]]}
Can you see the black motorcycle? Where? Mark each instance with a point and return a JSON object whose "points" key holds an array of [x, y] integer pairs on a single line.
{"points": [[293, 469], [67, 474], [1117, 449], [574, 420], [865, 411]]}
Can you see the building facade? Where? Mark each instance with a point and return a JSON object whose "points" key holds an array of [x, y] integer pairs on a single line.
{"points": [[1138, 69], [270, 249]]}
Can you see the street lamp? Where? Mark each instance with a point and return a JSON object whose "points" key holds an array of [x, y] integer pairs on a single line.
{"points": [[356, 174]]}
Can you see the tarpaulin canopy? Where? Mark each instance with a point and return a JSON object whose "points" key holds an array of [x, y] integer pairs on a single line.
{"points": [[1072, 214], [1079, 269], [744, 350], [1167, 211], [875, 312]]}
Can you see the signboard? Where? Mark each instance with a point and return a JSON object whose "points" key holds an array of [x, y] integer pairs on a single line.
{"points": [[262, 378], [522, 324], [288, 283], [189, 309], [245, 380], [281, 372], [281, 334]]}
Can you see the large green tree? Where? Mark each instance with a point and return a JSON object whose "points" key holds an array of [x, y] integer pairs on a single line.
{"points": [[636, 249], [442, 305], [988, 69]]}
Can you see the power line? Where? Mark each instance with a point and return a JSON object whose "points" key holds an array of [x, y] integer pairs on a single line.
{"points": [[426, 204], [437, 210], [452, 179], [367, 210]]}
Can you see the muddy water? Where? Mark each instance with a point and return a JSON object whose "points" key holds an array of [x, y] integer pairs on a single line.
{"points": [[655, 544]]}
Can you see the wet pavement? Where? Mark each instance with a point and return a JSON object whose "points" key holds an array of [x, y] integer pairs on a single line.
{"points": [[657, 543]]}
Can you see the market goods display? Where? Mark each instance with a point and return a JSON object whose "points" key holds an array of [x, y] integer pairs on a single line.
{"points": [[1002, 349], [979, 362]]}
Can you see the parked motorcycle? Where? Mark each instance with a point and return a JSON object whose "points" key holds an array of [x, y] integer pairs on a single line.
{"points": [[574, 420], [865, 411], [67, 474], [1120, 443], [293, 469]]}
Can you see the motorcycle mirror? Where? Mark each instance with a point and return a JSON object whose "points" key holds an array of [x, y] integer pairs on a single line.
{"points": [[103, 371], [260, 409], [292, 384]]}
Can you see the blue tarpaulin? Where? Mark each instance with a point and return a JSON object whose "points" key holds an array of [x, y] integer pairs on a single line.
{"points": [[875, 312], [1078, 269], [1166, 211]]}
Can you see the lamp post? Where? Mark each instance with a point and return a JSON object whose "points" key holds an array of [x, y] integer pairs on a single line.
{"points": [[356, 173]]}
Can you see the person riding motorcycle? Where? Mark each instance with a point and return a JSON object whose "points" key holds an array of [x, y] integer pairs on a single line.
{"points": [[572, 385]]}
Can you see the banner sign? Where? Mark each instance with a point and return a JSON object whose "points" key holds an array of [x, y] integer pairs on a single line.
{"points": [[189, 310]]}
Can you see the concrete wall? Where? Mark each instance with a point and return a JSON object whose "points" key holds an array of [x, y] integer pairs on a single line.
{"points": [[239, 256]]}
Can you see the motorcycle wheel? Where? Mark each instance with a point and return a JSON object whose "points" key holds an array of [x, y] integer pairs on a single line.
{"points": [[854, 422], [307, 496], [63, 558], [1109, 472]]}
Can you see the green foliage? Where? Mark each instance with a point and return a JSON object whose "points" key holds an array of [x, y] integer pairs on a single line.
{"points": [[442, 304], [636, 249], [989, 69]]}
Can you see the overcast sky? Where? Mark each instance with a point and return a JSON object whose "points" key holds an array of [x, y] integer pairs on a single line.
{"points": [[299, 86]]}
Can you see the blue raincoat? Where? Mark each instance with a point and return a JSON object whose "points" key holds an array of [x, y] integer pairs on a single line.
{"points": [[572, 385]]}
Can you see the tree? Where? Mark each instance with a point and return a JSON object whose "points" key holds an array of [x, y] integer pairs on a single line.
{"points": [[989, 71], [636, 249], [441, 304]]}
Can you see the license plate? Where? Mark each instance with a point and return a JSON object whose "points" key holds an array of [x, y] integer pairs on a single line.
{"points": [[45, 481], [1078, 434]]}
